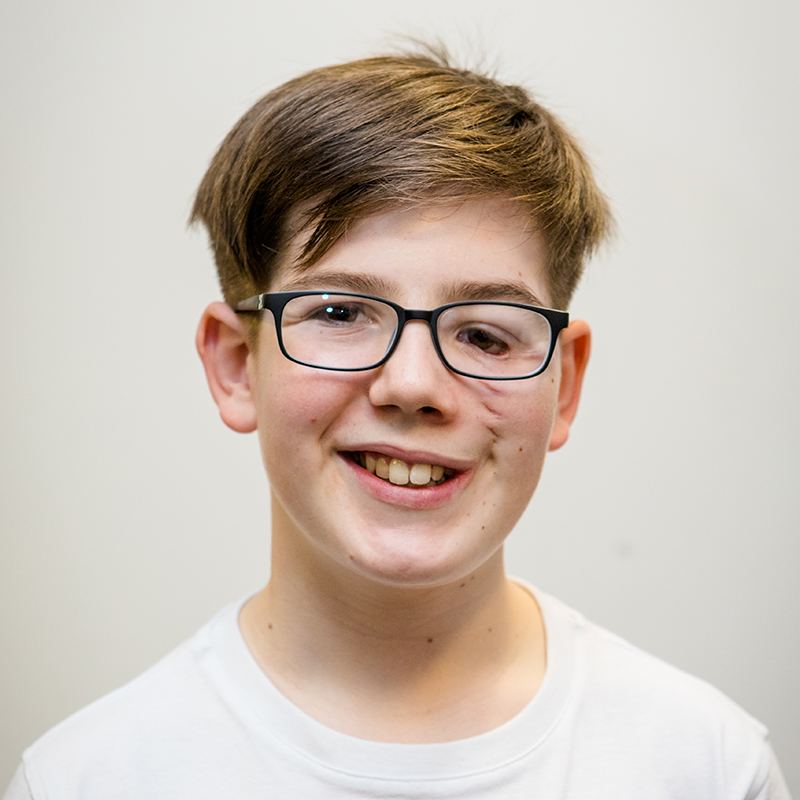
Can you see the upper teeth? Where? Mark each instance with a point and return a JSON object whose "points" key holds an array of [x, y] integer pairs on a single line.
{"points": [[401, 473]]}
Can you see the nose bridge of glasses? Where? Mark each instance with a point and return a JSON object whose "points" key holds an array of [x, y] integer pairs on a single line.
{"points": [[417, 315]]}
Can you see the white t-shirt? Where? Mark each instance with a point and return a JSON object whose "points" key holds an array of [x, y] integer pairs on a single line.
{"points": [[609, 722]]}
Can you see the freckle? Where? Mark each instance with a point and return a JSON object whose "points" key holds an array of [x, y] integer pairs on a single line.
{"points": [[520, 449], [490, 630], [472, 577], [429, 640], [462, 586], [483, 527], [352, 558], [270, 626]]}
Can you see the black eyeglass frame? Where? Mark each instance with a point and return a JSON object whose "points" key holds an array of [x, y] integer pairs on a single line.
{"points": [[275, 302]]}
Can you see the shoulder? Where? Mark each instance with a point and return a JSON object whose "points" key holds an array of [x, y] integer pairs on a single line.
{"points": [[628, 677], [637, 707], [111, 735]]}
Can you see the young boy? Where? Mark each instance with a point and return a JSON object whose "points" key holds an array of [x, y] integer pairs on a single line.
{"points": [[391, 237]]}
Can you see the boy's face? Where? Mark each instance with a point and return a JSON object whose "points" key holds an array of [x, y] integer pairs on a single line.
{"points": [[493, 435]]}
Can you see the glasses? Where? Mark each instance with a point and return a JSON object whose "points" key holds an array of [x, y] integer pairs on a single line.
{"points": [[349, 332]]}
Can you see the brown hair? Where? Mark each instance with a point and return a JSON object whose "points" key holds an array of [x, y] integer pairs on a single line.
{"points": [[346, 141]]}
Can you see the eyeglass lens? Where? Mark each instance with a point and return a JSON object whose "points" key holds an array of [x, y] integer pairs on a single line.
{"points": [[346, 332]]}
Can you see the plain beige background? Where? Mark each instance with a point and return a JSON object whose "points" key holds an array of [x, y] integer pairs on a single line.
{"points": [[130, 514]]}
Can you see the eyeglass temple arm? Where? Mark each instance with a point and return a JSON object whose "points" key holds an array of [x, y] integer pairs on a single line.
{"points": [[255, 303]]}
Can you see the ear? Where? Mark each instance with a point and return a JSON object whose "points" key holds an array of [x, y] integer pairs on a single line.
{"points": [[223, 347], [575, 344]]}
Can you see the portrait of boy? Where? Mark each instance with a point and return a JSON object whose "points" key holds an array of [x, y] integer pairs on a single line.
{"points": [[397, 241]]}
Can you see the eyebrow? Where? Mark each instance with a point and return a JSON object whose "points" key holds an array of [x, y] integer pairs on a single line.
{"points": [[455, 291], [499, 290], [363, 284]]}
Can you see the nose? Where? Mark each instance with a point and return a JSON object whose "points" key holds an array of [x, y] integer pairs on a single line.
{"points": [[414, 379]]}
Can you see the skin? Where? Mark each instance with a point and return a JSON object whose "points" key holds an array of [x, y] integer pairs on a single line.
{"points": [[389, 615]]}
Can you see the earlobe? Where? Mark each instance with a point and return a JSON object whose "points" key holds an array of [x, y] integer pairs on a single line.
{"points": [[223, 347], [575, 347]]}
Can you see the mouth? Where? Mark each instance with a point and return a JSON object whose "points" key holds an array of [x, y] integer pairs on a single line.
{"points": [[402, 473]]}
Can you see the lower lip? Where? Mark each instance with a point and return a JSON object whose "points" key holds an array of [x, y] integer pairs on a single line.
{"points": [[420, 499]]}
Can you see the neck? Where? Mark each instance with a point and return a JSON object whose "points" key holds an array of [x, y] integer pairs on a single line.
{"points": [[396, 663]]}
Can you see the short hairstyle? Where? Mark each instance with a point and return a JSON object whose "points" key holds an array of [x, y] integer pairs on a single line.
{"points": [[340, 143]]}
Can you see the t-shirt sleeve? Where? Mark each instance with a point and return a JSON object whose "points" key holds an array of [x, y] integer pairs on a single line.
{"points": [[769, 783], [18, 789]]}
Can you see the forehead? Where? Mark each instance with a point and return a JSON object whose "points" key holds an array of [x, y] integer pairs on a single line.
{"points": [[480, 249]]}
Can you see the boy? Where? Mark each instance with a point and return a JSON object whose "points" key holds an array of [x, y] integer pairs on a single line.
{"points": [[392, 236]]}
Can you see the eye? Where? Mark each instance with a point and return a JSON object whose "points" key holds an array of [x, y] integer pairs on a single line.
{"points": [[486, 341], [339, 314]]}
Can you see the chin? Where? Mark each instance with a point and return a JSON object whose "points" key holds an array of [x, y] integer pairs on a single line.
{"points": [[403, 565]]}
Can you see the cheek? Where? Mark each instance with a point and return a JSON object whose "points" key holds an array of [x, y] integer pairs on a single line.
{"points": [[522, 413], [296, 405], [521, 421]]}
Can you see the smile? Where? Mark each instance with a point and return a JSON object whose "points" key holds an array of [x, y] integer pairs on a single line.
{"points": [[401, 473]]}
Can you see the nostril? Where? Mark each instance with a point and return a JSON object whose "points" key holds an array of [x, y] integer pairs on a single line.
{"points": [[428, 410]]}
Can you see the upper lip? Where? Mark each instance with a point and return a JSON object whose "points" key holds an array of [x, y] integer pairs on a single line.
{"points": [[410, 456]]}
